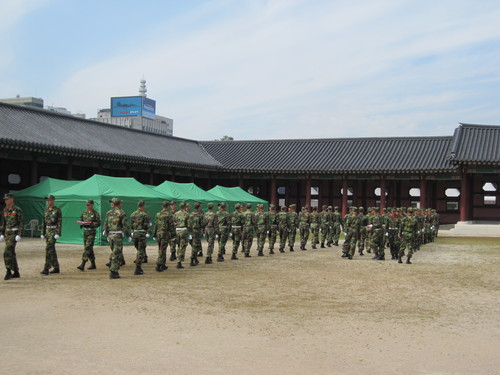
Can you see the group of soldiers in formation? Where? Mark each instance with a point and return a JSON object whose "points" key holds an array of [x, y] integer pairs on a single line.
{"points": [[398, 229]]}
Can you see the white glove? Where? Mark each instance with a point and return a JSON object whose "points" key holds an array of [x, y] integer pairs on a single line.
{"points": [[190, 237], [150, 224], [147, 235], [42, 237], [107, 239], [2, 238], [216, 236], [345, 234], [56, 236], [267, 232], [103, 232], [154, 238], [230, 234], [387, 234], [18, 238], [370, 225], [432, 227], [129, 239]]}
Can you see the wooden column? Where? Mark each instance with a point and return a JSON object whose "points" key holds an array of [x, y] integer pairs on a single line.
{"points": [[274, 197], [240, 181], [151, 176], [344, 196], [173, 175], [308, 191], [69, 174], [382, 194], [423, 192], [464, 198]]}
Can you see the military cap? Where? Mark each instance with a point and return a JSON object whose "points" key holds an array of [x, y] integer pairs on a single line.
{"points": [[210, 205], [249, 205], [141, 203], [173, 203], [197, 205], [283, 208], [237, 206], [315, 208], [293, 205], [336, 207], [90, 201], [330, 207], [50, 197], [8, 196], [114, 200], [272, 206], [305, 207], [361, 208], [222, 205], [165, 204], [324, 206], [184, 204]]}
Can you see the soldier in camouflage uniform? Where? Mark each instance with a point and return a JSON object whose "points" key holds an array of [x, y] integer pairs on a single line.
{"points": [[164, 226], [51, 231], [11, 228], [115, 229], [337, 226], [139, 225], [195, 227], [293, 222], [261, 228], [392, 230], [304, 226], [209, 226], [90, 220], [351, 227], [362, 236], [283, 227], [315, 226], [248, 229], [324, 225], [182, 233], [237, 221], [173, 239], [376, 229], [408, 232], [223, 230], [273, 227]]}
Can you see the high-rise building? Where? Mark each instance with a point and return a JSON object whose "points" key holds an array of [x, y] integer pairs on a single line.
{"points": [[26, 102]]}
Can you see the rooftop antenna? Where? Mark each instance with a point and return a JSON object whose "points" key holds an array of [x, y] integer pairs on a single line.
{"points": [[142, 89]]}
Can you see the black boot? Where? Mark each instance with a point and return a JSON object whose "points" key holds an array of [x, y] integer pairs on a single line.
{"points": [[81, 267], [322, 245], [8, 275], [368, 251], [408, 261], [173, 257], [314, 246], [220, 258], [291, 249], [108, 264], [242, 249], [114, 275], [336, 243], [208, 260], [271, 251], [122, 263], [92, 265], [349, 257], [45, 271], [138, 270], [159, 268], [196, 260], [164, 267], [376, 257], [200, 254], [247, 255], [260, 253], [381, 257], [344, 255], [16, 275], [361, 253], [179, 265], [234, 257], [400, 260], [145, 260], [55, 270], [192, 263], [282, 250]]}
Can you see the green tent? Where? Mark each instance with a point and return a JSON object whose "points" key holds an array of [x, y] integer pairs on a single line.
{"points": [[32, 201], [235, 195], [188, 192], [101, 189]]}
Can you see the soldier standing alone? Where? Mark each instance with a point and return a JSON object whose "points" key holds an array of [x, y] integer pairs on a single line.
{"points": [[89, 221], [51, 231], [11, 227]]}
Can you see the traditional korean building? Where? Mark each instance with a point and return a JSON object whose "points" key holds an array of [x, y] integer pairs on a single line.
{"points": [[459, 175]]}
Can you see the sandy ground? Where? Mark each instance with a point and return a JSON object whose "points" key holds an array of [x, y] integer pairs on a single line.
{"points": [[307, 312]]}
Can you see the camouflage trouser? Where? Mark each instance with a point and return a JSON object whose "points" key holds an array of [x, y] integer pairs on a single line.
{"points": [[261, 237], [292, 233], [236, 239], [163, 240], [325, 233], [210, 234], [273, 229], [9, 254], [88, 245], [116, 244], [140, 242], [196, 243], [362, 239], [50, 251], [394, 242], [368, 241], [335, 233], [283, 232], [349, 246], [377, 241], [314, 234], [247, 238], [407, 242], [304, 234], [223, 236], [182, 240], [173, 244]]}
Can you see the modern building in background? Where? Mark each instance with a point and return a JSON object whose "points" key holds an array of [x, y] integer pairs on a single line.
{"points": [[25, 102], [136, 112]]}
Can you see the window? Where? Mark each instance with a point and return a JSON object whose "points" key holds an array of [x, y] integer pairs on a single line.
{"points": [[378, 191], [281, 190], [415, 204], [14, 179], [253, 190], [314, 202], [452, 192], [490, 200], [452, 206], [414, 192], [350, 191], [281, 202], [490, 186], [314, 190]]}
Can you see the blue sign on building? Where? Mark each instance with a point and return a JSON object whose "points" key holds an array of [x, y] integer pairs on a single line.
{"points": [[149, 108], [126, 106]]}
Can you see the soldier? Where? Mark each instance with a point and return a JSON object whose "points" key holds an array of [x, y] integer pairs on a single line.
{"points": [[261, 228], [315, 222], [181, 228], [273, 227], [283, 227], [139, 225], [408, 232], [195, 227], [293, 223], [362, 230], [304, 226], [163, 232], [325, 217], [237, 220], [223, 230], [248, 229], [376, 230], [351, 228], [209, 226], [337, 226], [90, 220], [173, 239], [115, 228], [11, 229], [392, 233], [51, 231]]}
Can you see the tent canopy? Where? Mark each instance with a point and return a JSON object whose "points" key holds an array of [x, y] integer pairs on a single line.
{"points": [[44, 188], [188, 192], [236, 195]]}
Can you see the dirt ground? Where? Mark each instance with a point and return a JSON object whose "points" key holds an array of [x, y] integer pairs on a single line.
{"points": [[307, 312]]}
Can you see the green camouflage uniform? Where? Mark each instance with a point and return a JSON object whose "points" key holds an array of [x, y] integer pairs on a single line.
{"points": [[173, 240], [337, 225], [273, 228], [195, 227], [11, 225], [164, 227], [408, 232], [283, 225], [351, 226], [315, 227], [182, 233], [115, 228], [393, 224], [363, 222], [89, 231], [51, 226], [325, 222], [210, 224], [377, 233], [223, 230], [293, 223], [237, 220], [139, 225], [262, 227], [304, 228], [248, 230]]}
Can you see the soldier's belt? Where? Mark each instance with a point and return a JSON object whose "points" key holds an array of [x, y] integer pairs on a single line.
{"points": [[90, 229], [236, 226], [51, 226], [12, 229], [180, 229], [138, 230], [115, 232]]}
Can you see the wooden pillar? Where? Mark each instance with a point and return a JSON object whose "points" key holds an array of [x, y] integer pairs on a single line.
{"points": [[173, 175], [299, 194], [151, 176], [274, 197], [127, 170], [191, 172], [100, 168], [344, 196], [69, 174], [34, 171], [382, 194], [240, 181], [464, 198], [287, 192], [308, 190]]}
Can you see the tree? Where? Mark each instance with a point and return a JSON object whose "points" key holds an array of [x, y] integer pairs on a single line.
{"points": [[226, 138]]}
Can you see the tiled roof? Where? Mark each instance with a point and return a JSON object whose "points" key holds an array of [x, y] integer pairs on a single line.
{"points": [[359, 155], [476, 144], [32, 129]]}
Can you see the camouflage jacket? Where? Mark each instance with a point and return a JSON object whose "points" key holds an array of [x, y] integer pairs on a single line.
{"points": [[223, 219], [237, 219], [52, 221], [195, 222], [262, 219], [325, 218], [315, 218], [304, 219], [272, 219], [116, 221], [11, 218], [164, 223], [283, 219], [249, 219], [293, 221], [210, 220], [181, 219], [91, 217], [352, 222], [139, 222]]}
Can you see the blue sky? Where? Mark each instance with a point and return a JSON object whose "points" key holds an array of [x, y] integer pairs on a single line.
{"points": [[263, 69]]}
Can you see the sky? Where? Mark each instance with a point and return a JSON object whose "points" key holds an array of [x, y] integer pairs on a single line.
{"points": [[263, 69]]}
